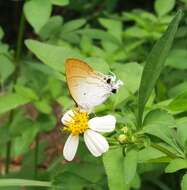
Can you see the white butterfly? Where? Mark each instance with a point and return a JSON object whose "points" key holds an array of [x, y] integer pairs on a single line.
{"points": [[89, 88]]}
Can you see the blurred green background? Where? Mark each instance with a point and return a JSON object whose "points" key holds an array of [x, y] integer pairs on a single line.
{"points": [[36, 37]]}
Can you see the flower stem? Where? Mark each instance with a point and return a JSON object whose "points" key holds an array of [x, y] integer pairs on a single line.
{"points": [[19, 46], [36, 157], [164, 150], [8, 156], [15, 77]]}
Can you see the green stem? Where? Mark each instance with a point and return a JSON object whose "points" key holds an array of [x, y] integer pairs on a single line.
{"points": [[8, 156], [139, 119], [19, 46], [15, 77], [36, 157], [164, 150], [8, 147], [23, 182]]}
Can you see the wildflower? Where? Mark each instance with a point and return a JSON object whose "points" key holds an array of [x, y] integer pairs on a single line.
{"points": [[77, 123]]}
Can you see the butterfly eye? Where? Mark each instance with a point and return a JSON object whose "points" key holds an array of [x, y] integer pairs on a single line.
{"points": [[108, 80], [114, 91]]}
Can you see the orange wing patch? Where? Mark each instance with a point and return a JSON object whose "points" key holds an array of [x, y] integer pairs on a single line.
{"points": [[76, 70]]}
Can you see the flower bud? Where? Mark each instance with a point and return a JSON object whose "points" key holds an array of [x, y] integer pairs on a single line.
{"points": [[125, 129], [122, 138]]}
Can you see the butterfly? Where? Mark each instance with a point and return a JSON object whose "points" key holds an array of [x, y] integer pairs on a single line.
{"points": [[89, 88]]}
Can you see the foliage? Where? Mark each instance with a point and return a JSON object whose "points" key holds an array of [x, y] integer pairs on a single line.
{"points": [[145, 49]]}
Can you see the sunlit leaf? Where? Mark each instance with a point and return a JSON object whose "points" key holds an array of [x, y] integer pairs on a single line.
{"points": [[179, 104], [37, 13], [100, 34], [158, 116], [51, 28], [130, 165], [155, 63], [6, 67], [51, 55], [60, 2], [11, 101], [112, 162], [175, 165], [163, 7], [177, 59], [72, 25]]}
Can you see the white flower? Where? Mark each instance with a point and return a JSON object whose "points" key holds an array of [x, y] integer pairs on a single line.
{"points": [[78, 123]]}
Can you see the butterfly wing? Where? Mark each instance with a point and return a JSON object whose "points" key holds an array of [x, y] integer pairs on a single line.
{"points": [[86, 86]]}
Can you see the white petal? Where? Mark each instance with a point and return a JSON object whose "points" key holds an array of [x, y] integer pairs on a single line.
{"points": [[67, 117], [102, 124], [70, 147], [95, 142]]}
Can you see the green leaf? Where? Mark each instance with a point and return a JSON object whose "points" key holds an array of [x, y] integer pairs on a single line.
{"points": [[6, 67], [163, 132], [184, 182], [130, 74], [92, 172], [164, 7], [51, 28], [130, 164], [46, 122], [177, 59], [178, 89], [37, 67], [37, 13], [55, 87], [98, 64], [179, 104], [26, 92], [23, 182], [113, 26], [113, 160], [149, 153], [19, 124], [72, 25], [22, 142], [66, 102], [181, 130], [175, 165], [64, 181], [100, 35], [11, 101], [1, 33], [43, 106], [86, 45], [161, 117], [5, 134], [60, 2], [53, 56], [155, 64]]}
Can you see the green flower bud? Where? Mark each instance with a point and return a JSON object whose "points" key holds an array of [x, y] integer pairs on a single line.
{"points": [[122, 138], [124, 130]]}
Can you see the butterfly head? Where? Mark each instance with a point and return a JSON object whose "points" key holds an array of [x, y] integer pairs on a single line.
{"points": [[114, 84]]}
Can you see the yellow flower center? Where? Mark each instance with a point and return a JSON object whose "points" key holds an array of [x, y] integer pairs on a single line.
{"points": [[78, 124]]}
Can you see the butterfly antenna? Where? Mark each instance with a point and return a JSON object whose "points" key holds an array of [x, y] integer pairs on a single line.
{"points": [[113, 75]]}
